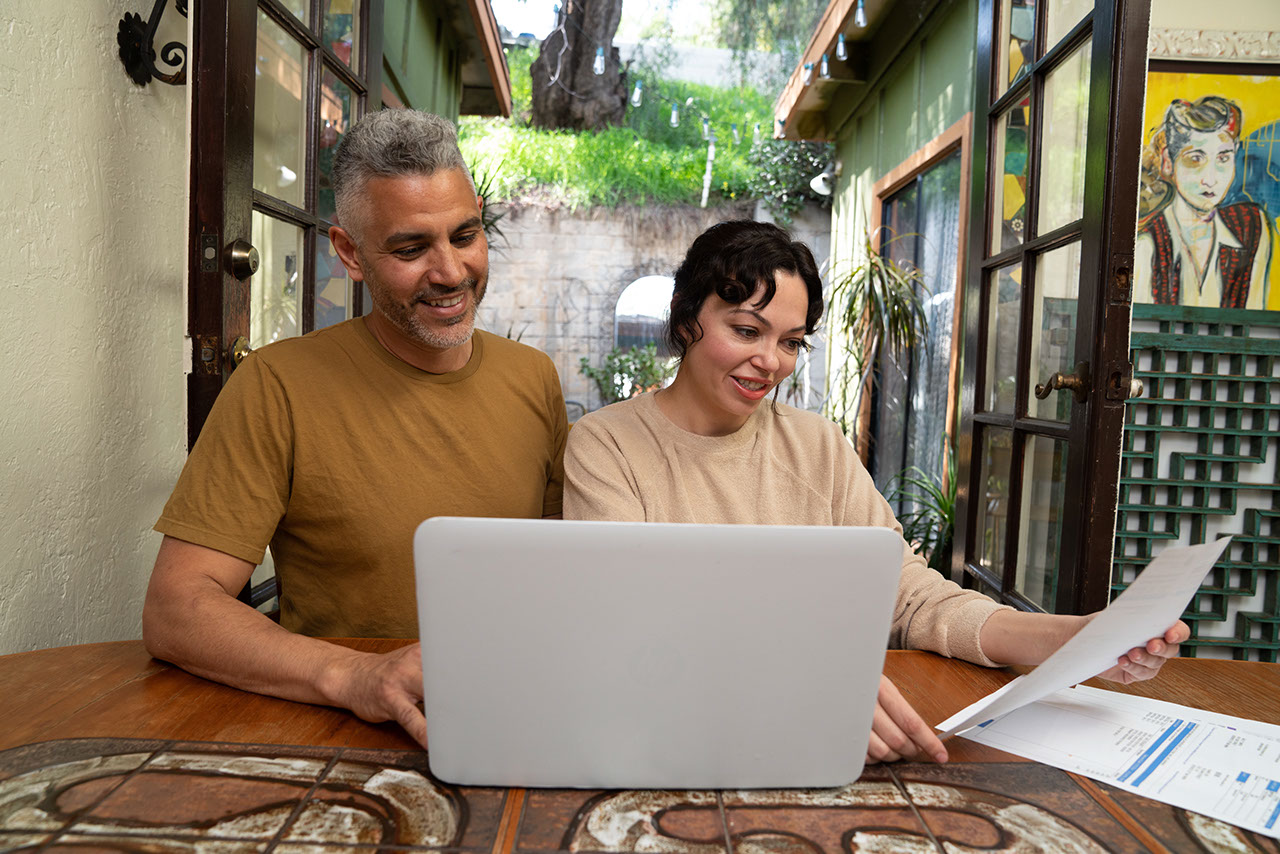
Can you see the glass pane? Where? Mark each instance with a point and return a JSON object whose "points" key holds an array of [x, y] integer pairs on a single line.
{"points": [[931, 364], [889, 433], [341, 18], [279, 112], [1053, 335], [1066, 119], [1044, 487], [1009, 196], [1015, 45], [333, 285], [1061, 16], [298, 8], [275, 291], [336, 105], [1004, 307], [898, 239], [993, 498]]}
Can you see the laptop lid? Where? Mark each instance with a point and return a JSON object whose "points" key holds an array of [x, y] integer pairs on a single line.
{"points": [[636, 655]]}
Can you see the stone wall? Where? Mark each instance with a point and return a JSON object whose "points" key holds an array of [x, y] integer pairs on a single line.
{"points": [[556, 277]]}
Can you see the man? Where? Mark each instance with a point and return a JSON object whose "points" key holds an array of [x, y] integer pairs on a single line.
{"points": [[331, 448]]}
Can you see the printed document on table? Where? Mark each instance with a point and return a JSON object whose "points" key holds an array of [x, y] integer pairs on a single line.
{"points": [[1150, 605], [1224, 767]]}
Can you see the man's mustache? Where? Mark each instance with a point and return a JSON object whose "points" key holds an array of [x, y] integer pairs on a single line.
{"points": [[441, 293]]}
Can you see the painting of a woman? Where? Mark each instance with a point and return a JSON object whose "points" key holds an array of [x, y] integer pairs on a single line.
{"points": [[1191, 248]]}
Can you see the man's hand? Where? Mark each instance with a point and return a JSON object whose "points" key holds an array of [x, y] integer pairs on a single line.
{"points": [[1144, 662], [386, 687], [898, 731]]}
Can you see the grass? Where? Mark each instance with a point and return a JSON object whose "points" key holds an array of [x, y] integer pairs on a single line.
{"points": [[644, 161]]}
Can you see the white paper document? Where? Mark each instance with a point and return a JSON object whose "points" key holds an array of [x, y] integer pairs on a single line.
{"points": [[1150, 605], [1224, 767]]}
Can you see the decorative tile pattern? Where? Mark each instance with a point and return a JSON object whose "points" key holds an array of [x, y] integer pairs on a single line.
{"points": [[1181, 830], [230, 798], [1202, 459], [1023, 807], [122, 795]]}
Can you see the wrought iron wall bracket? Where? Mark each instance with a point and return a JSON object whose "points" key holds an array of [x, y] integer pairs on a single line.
{"points": [[137, 51]]}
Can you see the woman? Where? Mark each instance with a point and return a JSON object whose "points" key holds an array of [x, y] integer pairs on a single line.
{"points": [[706, 450], [1192, 249]]}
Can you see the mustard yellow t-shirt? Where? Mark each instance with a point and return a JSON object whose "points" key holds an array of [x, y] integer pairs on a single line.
{"points": [[785, 466], [332, 451]]}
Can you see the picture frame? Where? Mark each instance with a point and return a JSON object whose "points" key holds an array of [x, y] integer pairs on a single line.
{"points": [[1209, 210]]}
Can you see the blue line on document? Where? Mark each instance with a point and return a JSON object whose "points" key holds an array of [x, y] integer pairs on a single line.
{"points": [[1164, 754], [1275, 813], [1243, 778], [1273, 786], [1146, 754]]}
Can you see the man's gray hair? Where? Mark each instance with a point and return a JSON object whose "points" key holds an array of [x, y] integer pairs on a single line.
{"points": [[389, 143]]}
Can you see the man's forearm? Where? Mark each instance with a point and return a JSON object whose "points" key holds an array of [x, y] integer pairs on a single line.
{"points": [[213, 635]]}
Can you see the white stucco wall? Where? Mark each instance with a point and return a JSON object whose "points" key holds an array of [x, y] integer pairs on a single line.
{"points": [[92, 395], [1246, 15]]}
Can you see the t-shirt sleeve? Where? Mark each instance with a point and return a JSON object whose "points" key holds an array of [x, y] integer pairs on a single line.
{"points": [[553, 498], [598, 480], [234, 487], [931, 613]]}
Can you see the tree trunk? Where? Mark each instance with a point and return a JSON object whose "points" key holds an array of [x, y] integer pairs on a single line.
{"points": [[567, 93]]}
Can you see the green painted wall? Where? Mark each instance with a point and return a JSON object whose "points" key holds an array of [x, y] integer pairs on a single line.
{"points": [[420, 57], [913, 97]]}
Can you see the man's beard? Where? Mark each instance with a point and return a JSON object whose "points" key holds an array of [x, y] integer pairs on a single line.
{"points": [[440, 335]]}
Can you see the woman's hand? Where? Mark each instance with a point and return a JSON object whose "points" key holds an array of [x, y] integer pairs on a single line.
{"points": [[1144, 662], [898, 731]]}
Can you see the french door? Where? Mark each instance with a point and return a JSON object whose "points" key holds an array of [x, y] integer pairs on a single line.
{"points": [[1056, 140], [277, 84]]}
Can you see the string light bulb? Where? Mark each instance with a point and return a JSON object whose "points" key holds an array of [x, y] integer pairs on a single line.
{"points": [[755, 135], [598, 65], [860, 14], [824, 69], [807, 76], [842, 53], [675, 114], [706, 128], [737, 137], [637, 98]]}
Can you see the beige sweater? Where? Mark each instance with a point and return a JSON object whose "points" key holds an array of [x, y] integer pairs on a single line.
{"points": [[628, 462]]}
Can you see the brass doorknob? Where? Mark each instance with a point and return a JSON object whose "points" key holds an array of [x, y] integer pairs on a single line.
{"points": [[242, 259], [238, 351], [1077, 382]]}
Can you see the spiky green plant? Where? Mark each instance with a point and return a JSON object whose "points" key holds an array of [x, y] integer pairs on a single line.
{"points": [[875, 308], [929, 515]]}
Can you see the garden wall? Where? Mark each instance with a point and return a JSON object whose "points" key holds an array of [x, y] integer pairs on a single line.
{"points": [[556, 275]]}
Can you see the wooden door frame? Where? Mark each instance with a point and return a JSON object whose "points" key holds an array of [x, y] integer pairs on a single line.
{"points": [[1107, 231], [225, 36], [221, 178], [1087, 586], [958, 137]]}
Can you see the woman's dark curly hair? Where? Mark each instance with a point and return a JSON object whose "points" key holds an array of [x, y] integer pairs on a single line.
{"points": [[732, 260]]}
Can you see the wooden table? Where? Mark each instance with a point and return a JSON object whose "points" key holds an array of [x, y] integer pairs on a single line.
{"points": [[103, 747]]}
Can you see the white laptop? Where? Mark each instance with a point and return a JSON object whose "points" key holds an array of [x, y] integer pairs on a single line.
{"points": [[645, 656]]}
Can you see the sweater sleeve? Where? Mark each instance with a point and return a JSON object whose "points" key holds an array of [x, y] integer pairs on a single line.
{"points": [[932, 613], [599, 483]]}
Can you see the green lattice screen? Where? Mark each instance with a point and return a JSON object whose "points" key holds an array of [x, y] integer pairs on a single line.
{"points": [[1201, 459]]}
